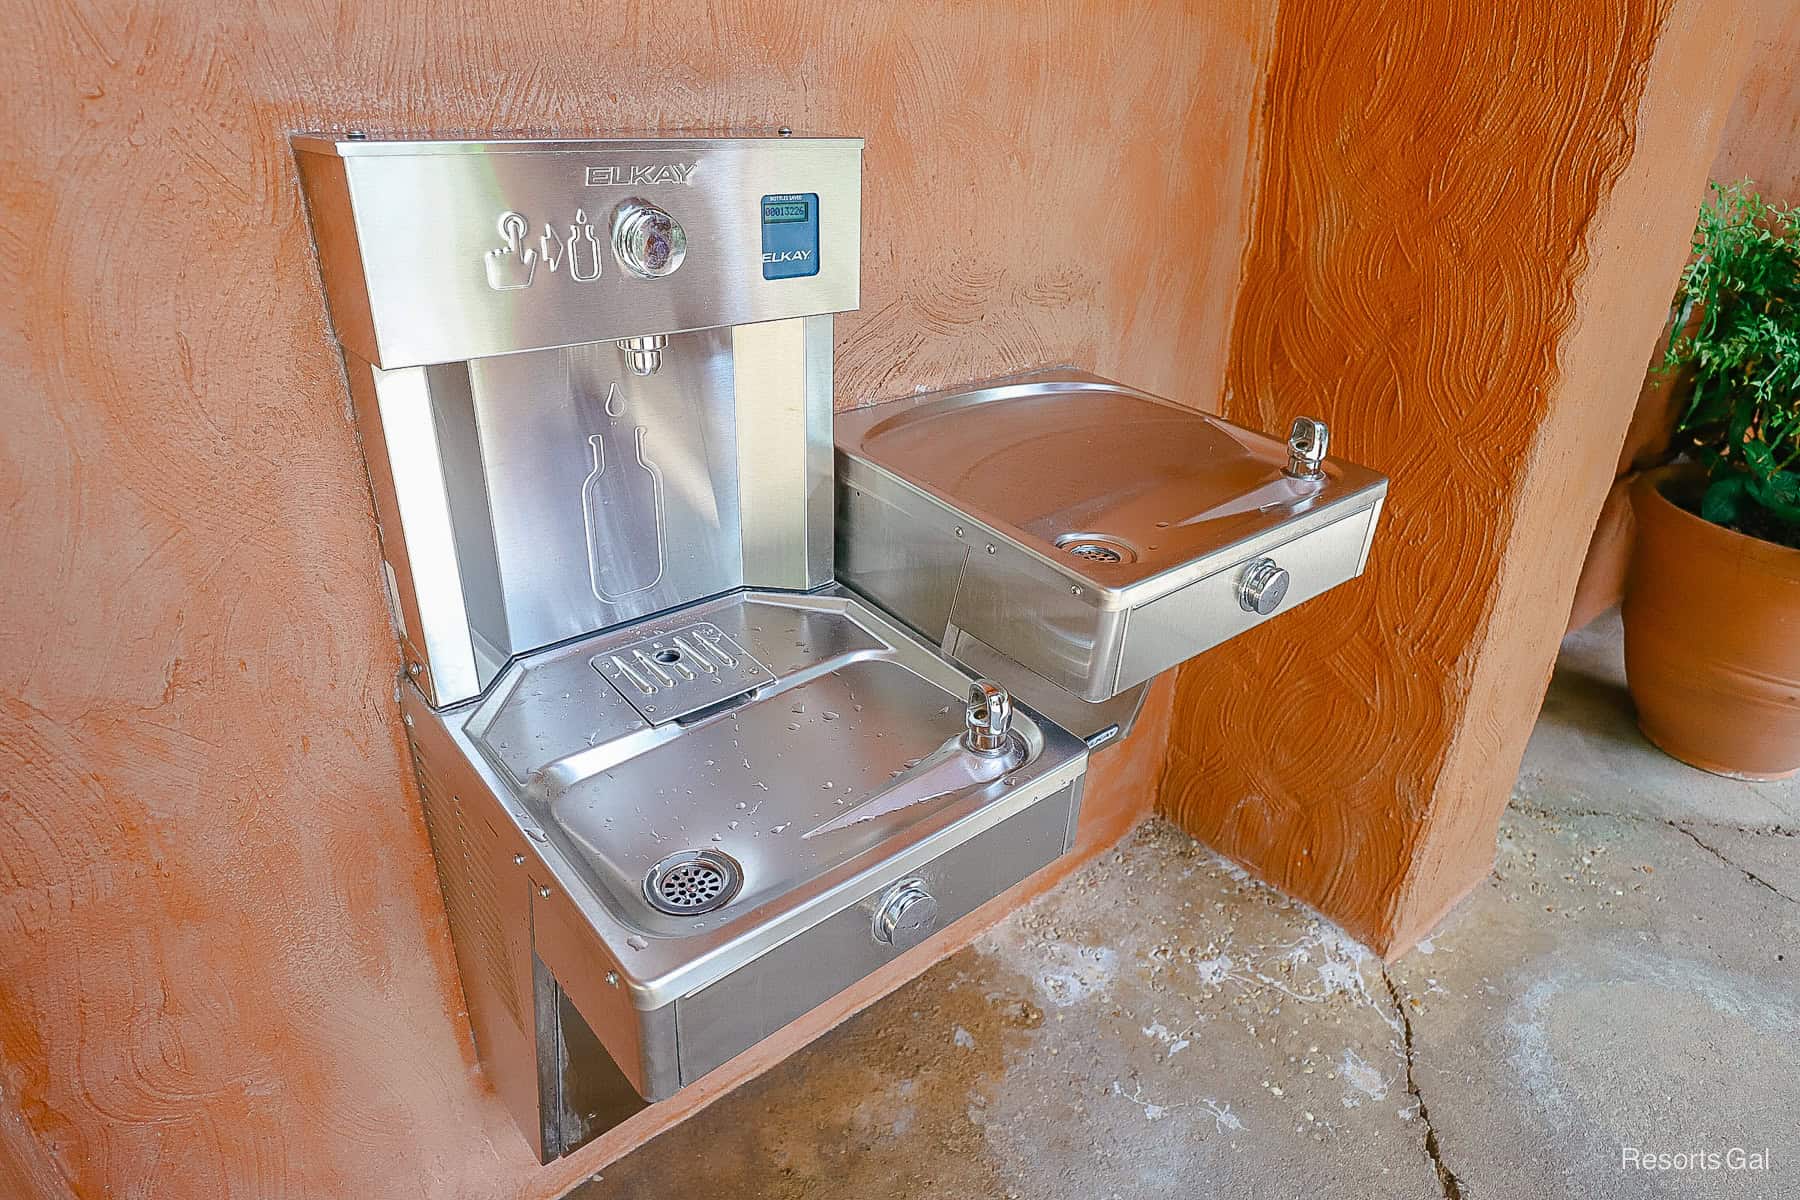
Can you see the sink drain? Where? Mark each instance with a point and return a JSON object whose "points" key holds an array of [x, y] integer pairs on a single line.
{"points": [[1096, 547], [693, 881]]}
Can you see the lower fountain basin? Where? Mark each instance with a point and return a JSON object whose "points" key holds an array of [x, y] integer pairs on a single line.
{"points": [[669, 861]]}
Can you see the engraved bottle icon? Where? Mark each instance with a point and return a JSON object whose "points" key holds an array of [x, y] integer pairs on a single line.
{"points": [[511, 267], [622, 504], [584, 250]]}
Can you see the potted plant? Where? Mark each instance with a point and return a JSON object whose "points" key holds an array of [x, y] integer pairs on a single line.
{"points": [[1712, 609]]}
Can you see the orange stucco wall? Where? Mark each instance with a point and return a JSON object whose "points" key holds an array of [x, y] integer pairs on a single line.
{"points": [[1462, 248], [223, 965]]}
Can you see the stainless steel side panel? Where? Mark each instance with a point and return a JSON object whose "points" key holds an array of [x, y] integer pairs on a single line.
{"points": [[418, 530], [729, 1016], [640, 1041], [439, 251], [1010, 599], [487, 900], [898, 548], [781, 374]]}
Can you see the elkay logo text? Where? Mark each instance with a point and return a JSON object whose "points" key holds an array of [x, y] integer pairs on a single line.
{"points": [[640, 173], [787, 256]]}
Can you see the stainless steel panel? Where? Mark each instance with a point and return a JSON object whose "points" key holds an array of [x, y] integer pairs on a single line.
{"points": [[441, 251], [585, 1092], [782, 377], [418, 531], [1010, 599], [641, 1042], [479, 852], [729, 1016], [541, 496], [1203, 614], [609, 495], [898, 547]]}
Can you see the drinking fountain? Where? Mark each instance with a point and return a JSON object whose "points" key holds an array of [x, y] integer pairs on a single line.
{"points": [[1070, 537], [705, 730]]}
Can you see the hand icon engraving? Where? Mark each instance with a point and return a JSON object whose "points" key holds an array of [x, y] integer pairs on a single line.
{"points": [[510, 267]]}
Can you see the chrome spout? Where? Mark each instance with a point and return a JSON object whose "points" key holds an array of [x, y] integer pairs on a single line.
{"points": [[1308, 441], [987, 718], [643, 355]]}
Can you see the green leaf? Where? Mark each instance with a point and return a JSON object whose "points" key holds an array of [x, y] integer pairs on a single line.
{"points": [[1780, 494], [1724, 500]]}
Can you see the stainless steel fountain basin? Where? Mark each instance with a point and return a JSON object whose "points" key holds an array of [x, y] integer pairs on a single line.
{"points": [[1090, 532], [579, 793]]}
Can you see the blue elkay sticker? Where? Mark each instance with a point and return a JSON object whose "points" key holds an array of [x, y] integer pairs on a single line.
{"points": [[790, 235]]}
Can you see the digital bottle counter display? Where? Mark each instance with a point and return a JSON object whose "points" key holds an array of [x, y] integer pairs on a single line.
{"points": [[790, 235]]}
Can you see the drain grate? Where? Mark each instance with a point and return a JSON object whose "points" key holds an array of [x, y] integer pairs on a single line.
{"points": [[1097, 553], [693, 881], [1096, 547]]}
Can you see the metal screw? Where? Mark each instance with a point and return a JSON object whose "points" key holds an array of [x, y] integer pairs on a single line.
{"points": [[408, 719], [413, 669], [543, 891], [518, 860], [356, 135], [959, 531], [612, 979], [1074, 589], [784, 131], [990, 547]]}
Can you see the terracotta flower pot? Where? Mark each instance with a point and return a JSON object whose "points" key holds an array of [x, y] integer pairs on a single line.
{"points": [[1712, 636]]}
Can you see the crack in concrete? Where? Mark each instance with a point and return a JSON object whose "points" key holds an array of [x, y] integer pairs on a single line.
{"points": [[1752, 876], [1448, 1182], [1547, 814], [1556, 814]]}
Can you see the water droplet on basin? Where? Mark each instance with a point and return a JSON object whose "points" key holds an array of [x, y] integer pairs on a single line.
{"points": [[792, 725], [828, 785], [799, 708], [734, 824], [742, 805], [830, 716], [636, 942], [781, 827]]}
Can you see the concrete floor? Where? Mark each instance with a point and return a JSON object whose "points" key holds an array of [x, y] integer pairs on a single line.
{"points": [[1163, 1025]]}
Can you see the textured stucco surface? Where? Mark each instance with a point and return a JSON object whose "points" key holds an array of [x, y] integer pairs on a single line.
{"points": [[1478, 333]]}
